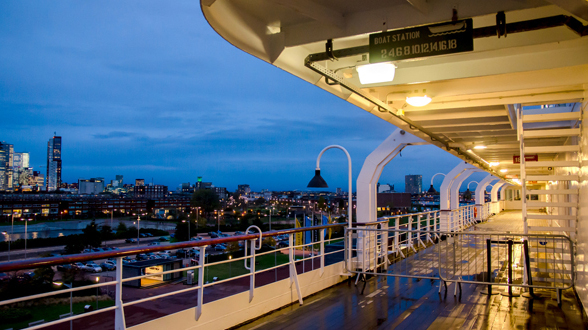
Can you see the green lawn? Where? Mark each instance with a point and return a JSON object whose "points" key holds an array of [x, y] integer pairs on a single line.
{"points": [[236, 268], [52, 312]]}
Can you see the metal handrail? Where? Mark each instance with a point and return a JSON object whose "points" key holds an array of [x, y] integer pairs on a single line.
{"points": [[53, 261], [119, 304]]}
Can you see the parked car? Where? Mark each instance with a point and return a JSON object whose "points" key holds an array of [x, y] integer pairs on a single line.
{"points": [[78, 265], [4, 277], [87, 251], [130, 240], [213, 234], [163, 239], [220, 247], [26, 276], [106, 266], [92, 267], [154, 243], [142, 235], [181, 253], [148, 234], [63, 268], [237, 233], [141, 256], [97, 250], [197, 238]]}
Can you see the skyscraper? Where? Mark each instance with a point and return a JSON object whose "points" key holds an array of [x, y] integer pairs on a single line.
{"points": [[6, 163], [54, 163], [413, 184], [20, 168]]}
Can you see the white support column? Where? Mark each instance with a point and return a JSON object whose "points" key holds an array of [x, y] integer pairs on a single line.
{"points": [[445, 194], [480, 195], [367, 181], [367, 193], [119, 313], [494, 196]]}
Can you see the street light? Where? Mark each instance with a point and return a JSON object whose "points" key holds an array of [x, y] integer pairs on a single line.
{"points": [[70, 286], [189, 237], [138, 229], [318, 182], [26, 234], [9, 239]]}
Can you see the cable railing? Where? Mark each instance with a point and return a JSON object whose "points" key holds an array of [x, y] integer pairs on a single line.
{"points": [[514, 261], [311, 251]]}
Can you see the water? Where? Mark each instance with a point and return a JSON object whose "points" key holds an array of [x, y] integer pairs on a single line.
{"points": [[40, 234]]}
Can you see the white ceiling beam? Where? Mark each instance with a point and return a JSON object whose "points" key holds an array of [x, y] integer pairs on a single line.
{"points": [[315, 11], [420, 5], [414, 115], [576, 7]]}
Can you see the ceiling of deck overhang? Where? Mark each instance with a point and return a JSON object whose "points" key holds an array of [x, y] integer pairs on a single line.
{"points": [[471, 92]]}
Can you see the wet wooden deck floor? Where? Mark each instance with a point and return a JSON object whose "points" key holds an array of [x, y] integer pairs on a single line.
{"points": [[403, 303]]}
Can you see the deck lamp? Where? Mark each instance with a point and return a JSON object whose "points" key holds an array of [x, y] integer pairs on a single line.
{"points": [[376, 73], [317, 181]]}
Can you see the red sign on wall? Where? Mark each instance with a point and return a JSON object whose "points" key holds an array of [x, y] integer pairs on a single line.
{"points": [[528, 158]]}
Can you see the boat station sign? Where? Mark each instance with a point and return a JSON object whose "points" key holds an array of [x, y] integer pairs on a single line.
{"points": [[528, 158], [422, 41]]}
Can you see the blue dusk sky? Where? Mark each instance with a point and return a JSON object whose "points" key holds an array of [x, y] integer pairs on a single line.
{"points": [[148, 90]]}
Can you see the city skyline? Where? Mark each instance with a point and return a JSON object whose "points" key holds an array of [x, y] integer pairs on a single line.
{"points": [[158, 94]]}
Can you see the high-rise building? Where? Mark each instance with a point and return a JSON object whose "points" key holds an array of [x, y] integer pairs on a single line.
{"points": [[54, 163], [20, 168], [6, 164], [243, 189], [119, 178], [139, 182], [92, 186], [413, 184]]}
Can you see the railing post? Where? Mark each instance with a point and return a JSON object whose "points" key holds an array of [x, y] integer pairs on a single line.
{"points": [[322, 248], [119, 314], [293, 272], [201, 261], [252, 271]]}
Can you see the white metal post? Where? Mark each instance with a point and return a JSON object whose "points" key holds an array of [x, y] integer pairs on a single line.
{"points": [[119, 314], [200, 282], [252, 271], [322, 247], [293, 272]]}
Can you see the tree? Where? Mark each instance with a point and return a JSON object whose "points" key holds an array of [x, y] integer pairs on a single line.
{"points": [[75, 245], [233, 247], [182, 230], [260, 201], [106, 232], [321, 204], [205, 199], [91, 235], [44, 275], [121, 229]]}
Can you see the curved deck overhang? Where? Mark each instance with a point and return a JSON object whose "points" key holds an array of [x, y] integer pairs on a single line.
{"points": [[474, 94]]}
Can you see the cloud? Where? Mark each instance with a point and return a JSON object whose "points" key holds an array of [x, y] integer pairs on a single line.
{"points": [[114, 135]]}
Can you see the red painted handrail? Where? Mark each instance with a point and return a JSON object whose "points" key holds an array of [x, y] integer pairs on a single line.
{"points": [[52, 261]]}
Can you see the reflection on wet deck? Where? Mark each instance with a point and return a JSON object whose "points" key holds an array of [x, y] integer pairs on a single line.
{"points": [[404, 303]]}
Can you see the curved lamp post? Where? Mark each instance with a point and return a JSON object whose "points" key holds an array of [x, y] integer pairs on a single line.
{"points": [[471, 183], [433, 178], [319, 182]]}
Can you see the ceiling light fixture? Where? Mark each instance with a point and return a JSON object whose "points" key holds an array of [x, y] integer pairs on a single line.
{"points": [[494, 164], [376, 73], [418, 101], [480, 147], [504, 170]]}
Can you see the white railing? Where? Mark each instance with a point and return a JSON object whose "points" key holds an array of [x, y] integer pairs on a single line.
{"points": [[251, 239]]}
